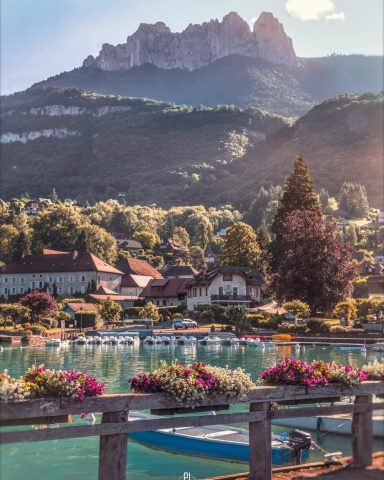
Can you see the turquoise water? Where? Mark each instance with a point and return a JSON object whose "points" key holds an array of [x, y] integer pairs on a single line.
{"points": [[78, 458]]}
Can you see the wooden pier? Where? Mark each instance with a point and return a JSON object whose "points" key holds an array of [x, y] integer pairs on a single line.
{"points": [[265, 404]]}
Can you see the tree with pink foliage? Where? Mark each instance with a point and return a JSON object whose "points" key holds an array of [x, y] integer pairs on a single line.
{"points": [[41, 304], [316, 267]]}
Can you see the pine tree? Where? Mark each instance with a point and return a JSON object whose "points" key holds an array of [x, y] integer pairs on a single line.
{"points": [[299, 194]]}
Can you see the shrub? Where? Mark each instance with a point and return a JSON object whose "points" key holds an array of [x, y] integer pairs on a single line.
{"points": [[270, 324], [366, 306], [346, 309], [292, 328], [339, 329], [38, 330], [374, 370], [254, 318], [177, 315], [316, 325], [298, 308]]}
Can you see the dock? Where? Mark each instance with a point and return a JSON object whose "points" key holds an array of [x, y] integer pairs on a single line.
{"points": [[320, 471]]}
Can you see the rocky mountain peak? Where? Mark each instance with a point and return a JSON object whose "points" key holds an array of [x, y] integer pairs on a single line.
{"points": [[198, 45]]}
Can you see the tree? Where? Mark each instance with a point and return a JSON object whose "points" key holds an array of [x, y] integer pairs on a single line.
{"points": [[41, 304], [240, 247], [13, 312], [148, 239], [181, 236], [57, 227], [264, 241], [316, 268], [298, 308], [196, 254], [353, 199], [237, 314], [109, 311], [299, 194], [149, 311], [8, 235], [98, 241], [350, 235], [346, 309]]}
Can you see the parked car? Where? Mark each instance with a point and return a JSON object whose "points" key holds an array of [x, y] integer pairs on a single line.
{"points": [[184, 323]]}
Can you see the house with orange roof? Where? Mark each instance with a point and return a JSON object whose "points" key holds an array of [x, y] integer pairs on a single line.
{"points": [[61, 273]]}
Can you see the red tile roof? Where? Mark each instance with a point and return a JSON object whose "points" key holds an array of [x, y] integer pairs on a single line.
{"points": [[102, 290], [115, 298], [167, 287], [134, 266], [85, 307], [54, 261]]}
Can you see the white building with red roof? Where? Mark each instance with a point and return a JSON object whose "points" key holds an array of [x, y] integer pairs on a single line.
{"points": [[64, 273]]}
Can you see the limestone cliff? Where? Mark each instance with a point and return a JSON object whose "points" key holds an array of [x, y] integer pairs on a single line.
{"points": [[198, 45]]}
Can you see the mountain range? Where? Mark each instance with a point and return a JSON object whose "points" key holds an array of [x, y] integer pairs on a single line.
{"points": [[91, 146], [205, 115], [223, 63]]}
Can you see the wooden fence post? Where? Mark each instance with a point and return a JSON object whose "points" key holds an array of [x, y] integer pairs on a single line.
{"points": [[260, 452], [362, 433], [113, 449]]}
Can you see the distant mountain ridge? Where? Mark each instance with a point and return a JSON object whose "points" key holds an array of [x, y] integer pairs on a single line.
{"points": [[198, 45], [237, 80], [91, 146]]}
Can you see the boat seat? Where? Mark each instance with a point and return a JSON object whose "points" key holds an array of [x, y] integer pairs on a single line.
{"points": [[222, 433]]}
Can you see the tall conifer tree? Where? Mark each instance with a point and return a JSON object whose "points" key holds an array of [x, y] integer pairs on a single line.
{"points": [[299, 194]]}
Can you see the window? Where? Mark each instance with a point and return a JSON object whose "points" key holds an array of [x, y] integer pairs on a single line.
{"points": [[235, 291], [157, 302], [71, 290], [5, 280], [227, 277], [82, 278], [60, 279], [164, 303], [22, 279], [71, 278], [206, 291], [6, 291], [14, 279], [41, 284], [194, 292], [50, 279], [221, 291], [83, 289], [60, 290], [21, 290], [33, 284], [200, 292], [13, 291]]}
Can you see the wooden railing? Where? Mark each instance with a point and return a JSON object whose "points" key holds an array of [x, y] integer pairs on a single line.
{"points": [[265, 404]]}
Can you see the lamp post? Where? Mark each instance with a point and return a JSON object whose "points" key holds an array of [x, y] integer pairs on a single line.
{"points": [[81, 319]]}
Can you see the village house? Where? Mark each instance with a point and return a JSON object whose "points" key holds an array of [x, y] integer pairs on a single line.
{"points": [[102, 293], [129, 244], [227, 285], [61, 273], [178, 271], [75, 308], [137, 274], [166, 292], [170, 248], [33, 207]]}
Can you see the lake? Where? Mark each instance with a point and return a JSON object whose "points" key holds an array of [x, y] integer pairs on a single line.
{"points": [[113, 365]]}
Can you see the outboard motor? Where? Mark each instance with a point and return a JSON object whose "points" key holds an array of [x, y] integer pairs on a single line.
{"points": [[298, 441]]}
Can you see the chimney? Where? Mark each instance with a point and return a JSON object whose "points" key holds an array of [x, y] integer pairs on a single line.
{"points": [[75, 254]]}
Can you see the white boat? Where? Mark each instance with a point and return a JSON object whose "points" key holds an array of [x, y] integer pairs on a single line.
{"points": [[184, 340], [378, 347], [97, 341], [113, 340], [53, 342], [221, 442], [150, 340], [165, 340], [210, 341], [337, 424], [348, 346], [131, 340], [81, 341]]}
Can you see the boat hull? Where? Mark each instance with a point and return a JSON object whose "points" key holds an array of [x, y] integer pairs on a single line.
{"points": [[337, 425], [208, 448]]}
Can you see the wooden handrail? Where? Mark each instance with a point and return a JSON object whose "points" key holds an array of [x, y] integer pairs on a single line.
{"points": [[266, 403]]}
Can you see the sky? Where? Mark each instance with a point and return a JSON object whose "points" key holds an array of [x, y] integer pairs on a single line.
{"points": [[41, 38]]}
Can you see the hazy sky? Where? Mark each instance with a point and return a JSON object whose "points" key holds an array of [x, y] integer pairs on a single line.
{"points": [[40, 38]]}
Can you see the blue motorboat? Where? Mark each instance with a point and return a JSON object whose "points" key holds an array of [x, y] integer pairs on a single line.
{"points": [[222, 442]]}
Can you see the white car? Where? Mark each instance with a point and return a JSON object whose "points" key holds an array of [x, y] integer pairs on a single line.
{"points": [[184, 323]]}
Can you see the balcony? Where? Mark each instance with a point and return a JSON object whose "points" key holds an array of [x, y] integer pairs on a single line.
{"points": [[232, 298]]}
